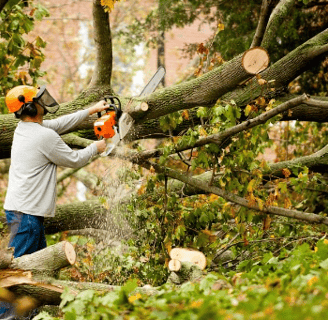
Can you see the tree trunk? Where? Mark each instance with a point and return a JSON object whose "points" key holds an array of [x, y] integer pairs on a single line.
{"points": [[85, 215]]}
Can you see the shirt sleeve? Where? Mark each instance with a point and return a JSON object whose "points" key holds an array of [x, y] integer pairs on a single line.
{"points": [[62, 155], [65, 123]]}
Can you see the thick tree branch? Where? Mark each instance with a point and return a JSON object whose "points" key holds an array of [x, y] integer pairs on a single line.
{"points": [[314, 161], [315, 110], [220, 137], [202, 91], [281, 73], [197, 183], [85, 215], [277, 17], [103, 42], [266, 8]]}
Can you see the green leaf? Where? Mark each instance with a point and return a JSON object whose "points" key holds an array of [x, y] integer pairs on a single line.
{"points": [[324, 264], [66, 297]]}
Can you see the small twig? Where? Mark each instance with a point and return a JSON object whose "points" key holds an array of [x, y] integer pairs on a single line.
{"points": [[226, 247]]}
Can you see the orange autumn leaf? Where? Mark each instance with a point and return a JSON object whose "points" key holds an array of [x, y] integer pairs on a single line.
{"points": [[260, 101], [286, 172], [185, 114], [202, 49]]}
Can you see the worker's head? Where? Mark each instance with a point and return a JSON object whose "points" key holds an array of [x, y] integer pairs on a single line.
{"points": [[25, 100]]}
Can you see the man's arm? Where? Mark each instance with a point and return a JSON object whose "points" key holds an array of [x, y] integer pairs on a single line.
{"points": [[62, 155], [68, 122]]}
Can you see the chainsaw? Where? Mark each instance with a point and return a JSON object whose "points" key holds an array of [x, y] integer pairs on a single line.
{"points": [[115, 124]]}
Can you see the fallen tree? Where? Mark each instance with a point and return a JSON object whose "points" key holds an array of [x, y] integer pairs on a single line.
{"points": [[234, 86]]}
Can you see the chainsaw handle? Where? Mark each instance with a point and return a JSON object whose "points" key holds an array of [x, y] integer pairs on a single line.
{"points": [[114, 103]]}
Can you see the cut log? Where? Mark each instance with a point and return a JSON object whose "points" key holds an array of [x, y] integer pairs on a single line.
{"points": [[143, 106], [26, 274], [189, 255], [187, 272], [174, 265], [48, 260], [255, 60]]}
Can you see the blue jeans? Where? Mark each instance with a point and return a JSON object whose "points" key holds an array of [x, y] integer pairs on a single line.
{"points": [[26, 233], [26, 236]]}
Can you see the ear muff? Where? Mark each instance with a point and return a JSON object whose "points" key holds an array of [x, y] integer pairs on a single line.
{"points": [[28, 109]]}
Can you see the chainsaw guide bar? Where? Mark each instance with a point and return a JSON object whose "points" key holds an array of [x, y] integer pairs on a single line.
{"points": [[114, 125]]}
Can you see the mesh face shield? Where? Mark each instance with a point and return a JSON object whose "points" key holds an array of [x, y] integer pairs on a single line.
{"points": [[44, 99]]}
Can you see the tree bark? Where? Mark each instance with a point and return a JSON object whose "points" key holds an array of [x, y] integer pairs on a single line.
{"points": [[277, 17], [282, 72], [103, 42], [45, 261], [86, 215], [78, 215], [266, 8]]}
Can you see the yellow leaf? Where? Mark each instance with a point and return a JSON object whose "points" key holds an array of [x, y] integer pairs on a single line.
{"points": [[134, 298], [213, 197], [202, 131], [251, 199], [260, 203], [142, 190], [109, 4], [260, 101], [312, 281], [168, 246], [196, 304], [287, 203], [220, 27], [250, 186], [248, 109], [270, 104]]}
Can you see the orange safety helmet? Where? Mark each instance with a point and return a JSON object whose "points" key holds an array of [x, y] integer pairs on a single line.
{"points": [[18, 96]]}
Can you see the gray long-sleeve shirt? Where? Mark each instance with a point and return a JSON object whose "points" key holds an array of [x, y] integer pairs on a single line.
{"points": [[36, 152]]}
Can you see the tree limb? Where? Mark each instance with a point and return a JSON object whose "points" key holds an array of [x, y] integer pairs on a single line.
{"points": [[220, 137], [283, 71], [266, 8], [103, 43], [188, 179], [276, 19]]}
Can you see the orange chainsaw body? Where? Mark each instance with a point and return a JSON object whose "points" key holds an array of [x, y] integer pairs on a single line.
{"points": [[104, 126]]}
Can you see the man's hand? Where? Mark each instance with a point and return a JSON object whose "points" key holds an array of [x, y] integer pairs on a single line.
{"points": [[98, 107], [101, 145]]}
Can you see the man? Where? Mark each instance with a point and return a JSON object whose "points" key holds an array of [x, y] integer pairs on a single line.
{"points": [[36, 152]]}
